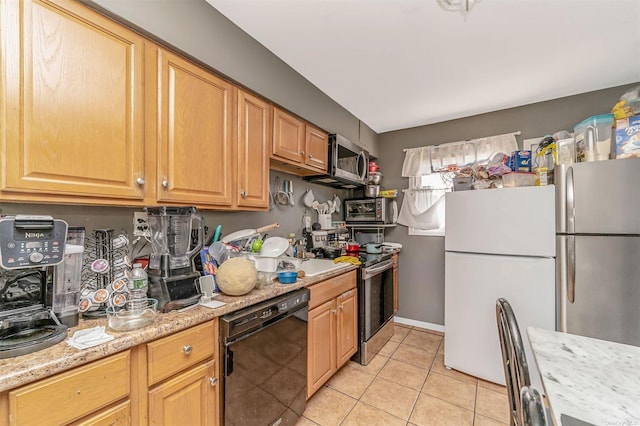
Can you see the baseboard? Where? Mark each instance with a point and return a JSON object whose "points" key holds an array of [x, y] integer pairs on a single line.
{"points": [[421, 324]]}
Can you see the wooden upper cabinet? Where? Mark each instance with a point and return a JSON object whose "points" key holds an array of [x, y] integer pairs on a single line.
{"points": [[72, 110], [194, 133], [317, 148], [288, 136], [254, 142]]}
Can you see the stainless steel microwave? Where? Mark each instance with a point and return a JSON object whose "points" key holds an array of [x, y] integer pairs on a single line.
{"points": [[381, 211], [348, 165]]}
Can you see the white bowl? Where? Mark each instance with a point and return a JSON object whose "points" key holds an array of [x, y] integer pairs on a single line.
{"points": [[274, 247]]}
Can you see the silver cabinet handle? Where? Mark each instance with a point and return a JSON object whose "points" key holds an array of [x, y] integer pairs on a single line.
{"points": [[165, 183], [342, 307], [213, 381], [334, 311], [140, 181], [301, 152], [310, 155], [243, 194], [187, 349]]}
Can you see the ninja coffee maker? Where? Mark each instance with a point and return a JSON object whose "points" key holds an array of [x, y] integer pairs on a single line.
{"points": [[173, 280], [29, 248]]}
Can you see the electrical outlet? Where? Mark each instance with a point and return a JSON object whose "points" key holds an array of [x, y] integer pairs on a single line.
{"points": [[140, 225]]}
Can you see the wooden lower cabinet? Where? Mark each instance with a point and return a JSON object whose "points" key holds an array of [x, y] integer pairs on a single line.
{"points": [[189, 398], [332, 329], [170, 381], [72, 395]]}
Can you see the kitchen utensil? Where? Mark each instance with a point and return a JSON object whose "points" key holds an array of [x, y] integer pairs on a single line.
{"points": [[287, 277], [308, 198], [216, 234], [373, 248], [375, 178], [274, 247], [281, 196], [331, 252], [291, 198], [371, 191], [337, 203], [316, 206], [244, 234]]}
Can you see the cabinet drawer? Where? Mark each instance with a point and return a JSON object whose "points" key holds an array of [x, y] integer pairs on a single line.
{"points": [[114, 416], [174, 353], [326, 290], [72, 395]]}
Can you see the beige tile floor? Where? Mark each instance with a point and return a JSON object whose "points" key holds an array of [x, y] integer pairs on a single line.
{"points": [[407, 384]]}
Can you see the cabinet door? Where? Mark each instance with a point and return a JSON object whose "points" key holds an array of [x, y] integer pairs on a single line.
{"points": [[254, 142], [347, 331], [317, 148], [188, 399], [195, 118], [321, 351], [288, 137], [72, 97]]}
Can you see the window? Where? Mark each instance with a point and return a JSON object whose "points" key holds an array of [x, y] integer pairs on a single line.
{"points": [[423, 204]]}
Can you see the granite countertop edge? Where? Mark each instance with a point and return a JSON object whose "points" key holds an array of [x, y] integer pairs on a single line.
{"points": [[21, 370]]}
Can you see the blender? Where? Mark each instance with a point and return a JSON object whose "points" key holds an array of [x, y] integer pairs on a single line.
{"points": [[173, 280]]}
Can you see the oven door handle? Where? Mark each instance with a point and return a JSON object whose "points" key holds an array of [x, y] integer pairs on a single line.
{"points": [[378, 268]]}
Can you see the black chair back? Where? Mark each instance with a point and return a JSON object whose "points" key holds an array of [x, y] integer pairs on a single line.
{"points": [[533, 412], [514, 360]]}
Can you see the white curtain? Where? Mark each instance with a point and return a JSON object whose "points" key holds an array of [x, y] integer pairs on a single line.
{"points": [[423, 206], [417, 162]]}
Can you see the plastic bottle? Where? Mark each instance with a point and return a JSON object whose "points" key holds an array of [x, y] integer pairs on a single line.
{"points": [[138, 284]]}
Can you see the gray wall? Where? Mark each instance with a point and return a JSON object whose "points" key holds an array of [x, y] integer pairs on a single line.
{"points": [[421, 262], [121, 218], [200, 31]]}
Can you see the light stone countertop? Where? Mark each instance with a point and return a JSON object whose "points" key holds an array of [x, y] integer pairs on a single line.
{"points": [[592, 380], [24, 369]]}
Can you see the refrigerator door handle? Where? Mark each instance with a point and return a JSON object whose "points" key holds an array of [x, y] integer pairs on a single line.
{"points": [[570, 202], [571, 268], [561, 283]]}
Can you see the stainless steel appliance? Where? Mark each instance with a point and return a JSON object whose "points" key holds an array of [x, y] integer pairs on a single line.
{"points": [[264, 349], [172, 275], [598, 249], [378, 210], [29, 248], [375, 305], [348, 165]]}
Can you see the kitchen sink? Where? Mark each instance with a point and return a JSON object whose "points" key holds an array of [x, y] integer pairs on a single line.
{"points": [[313, 267]]}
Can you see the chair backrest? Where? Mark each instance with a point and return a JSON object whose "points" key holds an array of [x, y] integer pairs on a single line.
{"points": [[514, 360], [533, 412]]}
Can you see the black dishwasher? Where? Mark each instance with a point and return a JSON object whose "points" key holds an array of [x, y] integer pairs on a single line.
{"points": [[264, 351]]}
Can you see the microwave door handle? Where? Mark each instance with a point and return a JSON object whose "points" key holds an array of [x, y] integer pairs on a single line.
{"points": [[361, 166]]}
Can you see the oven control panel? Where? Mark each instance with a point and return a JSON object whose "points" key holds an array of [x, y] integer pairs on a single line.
{"points": [[30, 241]]}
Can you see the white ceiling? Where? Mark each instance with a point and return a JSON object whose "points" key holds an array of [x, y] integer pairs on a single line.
{"points": [[396, 64]]}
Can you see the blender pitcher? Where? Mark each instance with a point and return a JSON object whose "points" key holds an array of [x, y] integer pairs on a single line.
{"points": [[171, 236]]}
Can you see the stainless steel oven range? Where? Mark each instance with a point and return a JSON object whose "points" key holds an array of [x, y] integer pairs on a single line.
{"points": [[264, 351], [375, 305]]}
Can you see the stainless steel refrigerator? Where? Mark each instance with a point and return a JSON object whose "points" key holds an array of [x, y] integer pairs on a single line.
{"points": [[598, 249]]}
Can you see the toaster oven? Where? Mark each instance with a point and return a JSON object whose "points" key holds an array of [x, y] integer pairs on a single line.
{"points": [[375, 211]]}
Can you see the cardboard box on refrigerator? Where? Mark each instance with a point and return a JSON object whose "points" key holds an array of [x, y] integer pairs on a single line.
{"points": [[628, 137]]}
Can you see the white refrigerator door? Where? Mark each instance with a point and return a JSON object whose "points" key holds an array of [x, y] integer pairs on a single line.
{"points": [[473, 283], [518, 221]]}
